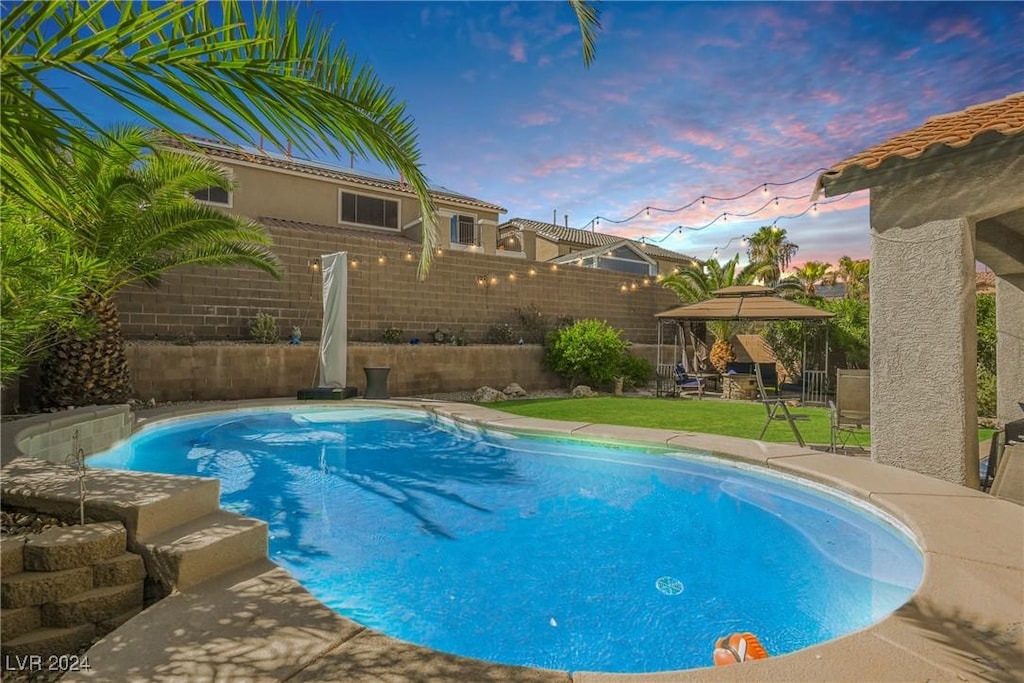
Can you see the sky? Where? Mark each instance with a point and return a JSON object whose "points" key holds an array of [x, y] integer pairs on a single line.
{"points": [[684, 100]]}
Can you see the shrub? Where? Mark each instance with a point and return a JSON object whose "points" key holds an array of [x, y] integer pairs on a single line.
{"points": [[635, 372], [986, 317], [391, 335], [263, 329], [500, 334], [533, 324], [589, 349], [986, 392]]}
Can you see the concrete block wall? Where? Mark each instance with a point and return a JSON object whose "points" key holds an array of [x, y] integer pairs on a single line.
{"points": [[384, 291], [65, 587], [97, 428], [243, 371]]}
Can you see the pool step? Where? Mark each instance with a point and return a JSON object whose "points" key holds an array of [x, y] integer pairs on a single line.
{"points": [[203, 548]]}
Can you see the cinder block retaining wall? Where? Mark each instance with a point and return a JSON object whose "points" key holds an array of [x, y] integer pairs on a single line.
{"points": [[65, 587], [384, 291], [244, 371]]}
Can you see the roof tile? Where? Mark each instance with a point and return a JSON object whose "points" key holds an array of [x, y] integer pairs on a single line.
{"points": [[586, 238], [955, 129]]}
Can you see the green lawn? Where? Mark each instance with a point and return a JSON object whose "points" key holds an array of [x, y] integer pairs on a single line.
{"points": [[730, 418]]}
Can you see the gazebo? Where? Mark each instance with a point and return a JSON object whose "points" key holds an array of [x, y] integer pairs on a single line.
{"points": [[746, 303]]}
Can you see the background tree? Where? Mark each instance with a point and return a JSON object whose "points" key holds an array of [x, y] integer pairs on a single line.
{"points": [[697, 281], [854, 274], [770, 245], [128, 207], [810, 275]]}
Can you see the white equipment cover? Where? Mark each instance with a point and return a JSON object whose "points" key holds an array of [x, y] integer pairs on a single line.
{"points": [[334, 334]]}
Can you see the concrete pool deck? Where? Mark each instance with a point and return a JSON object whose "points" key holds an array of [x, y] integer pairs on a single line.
{"points": [[256, 623]]}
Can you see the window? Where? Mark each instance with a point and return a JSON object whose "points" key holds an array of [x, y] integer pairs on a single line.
{"points": [[463, 230], [365, 210], [512, 241], [213, 195]]}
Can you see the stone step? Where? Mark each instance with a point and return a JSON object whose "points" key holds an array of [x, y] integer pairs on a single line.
{"points": [[92, 606], [15, 623], [148, 504], [50, 641], [35, 588], [74, 546], [118, 571], [206, 547], [12, 555]]}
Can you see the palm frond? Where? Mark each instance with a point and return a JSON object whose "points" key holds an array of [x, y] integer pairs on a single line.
{"points": [[587, 15]]}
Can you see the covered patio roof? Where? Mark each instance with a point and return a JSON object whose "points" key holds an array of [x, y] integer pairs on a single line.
{"points": [[744, 303]]}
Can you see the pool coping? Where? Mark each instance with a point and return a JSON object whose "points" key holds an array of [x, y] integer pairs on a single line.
{"points": [[964, 621]]}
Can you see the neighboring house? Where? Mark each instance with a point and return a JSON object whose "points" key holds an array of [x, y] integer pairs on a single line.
{"points": [[560, 244], [276, 186]]}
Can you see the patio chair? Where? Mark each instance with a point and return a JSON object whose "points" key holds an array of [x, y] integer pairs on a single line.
{"points": [[995, 450], [772, 407], [843, 429], [851, 411], [686, 383]]}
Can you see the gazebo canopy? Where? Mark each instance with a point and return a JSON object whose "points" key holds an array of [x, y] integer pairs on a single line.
{"points": [[745, 303]]}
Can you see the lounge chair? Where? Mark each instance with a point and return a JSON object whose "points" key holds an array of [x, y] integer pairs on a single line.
{"points": [[686, 383], [772, 407]]}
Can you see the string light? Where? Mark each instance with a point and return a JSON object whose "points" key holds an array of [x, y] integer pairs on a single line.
{"points": [[763, 187], [512, 277], [408, 256], [382, 259], [532, 272], [354, 262], [554, 267], [314, 265]]}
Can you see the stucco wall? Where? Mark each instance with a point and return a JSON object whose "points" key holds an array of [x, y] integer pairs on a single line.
{"points": [[233, 372]]}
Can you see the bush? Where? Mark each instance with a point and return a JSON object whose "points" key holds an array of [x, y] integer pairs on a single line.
{"points": [[986, 392], [391, 335], [263, 329], [589, 349], [635, 372], [986, 317], [533, 324], [500, 334]]}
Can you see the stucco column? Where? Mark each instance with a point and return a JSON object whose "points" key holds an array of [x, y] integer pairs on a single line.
{"points": [[1009, 347], [924, 412]]}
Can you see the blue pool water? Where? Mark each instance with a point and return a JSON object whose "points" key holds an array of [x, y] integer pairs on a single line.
{"points": [[539, 551]]}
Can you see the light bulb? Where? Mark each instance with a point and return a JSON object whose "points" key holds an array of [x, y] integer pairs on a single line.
{"points": [[775, 228], [554, 267], [511, 276], [648, 212], [764, 190], [622, 288], [494, 280], [381, 259], [408, 256], [533, 271], [714, 254], [725, 218], [744, 241]]}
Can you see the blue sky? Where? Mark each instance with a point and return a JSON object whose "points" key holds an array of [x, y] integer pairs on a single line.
{"points": [[683, 100]]}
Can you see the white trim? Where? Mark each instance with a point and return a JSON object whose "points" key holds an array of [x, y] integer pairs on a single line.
{"points": [[398, 211], [458, 246], [412, 223], [510, 254]]}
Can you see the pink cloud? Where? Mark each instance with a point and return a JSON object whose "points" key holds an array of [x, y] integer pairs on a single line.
{"points": [[617, 97], [947, 28], [701, 138], [828, 97], [907, 54], [517, 50], [536, 118], [560, 164], [544, 61]]}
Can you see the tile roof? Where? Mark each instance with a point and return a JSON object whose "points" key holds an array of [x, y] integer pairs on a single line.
{"points": [[265, 158], [585, 238], [995, 120]]}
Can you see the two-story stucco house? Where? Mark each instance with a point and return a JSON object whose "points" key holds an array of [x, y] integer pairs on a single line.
{"points": [[279, 186], [539, 241]]}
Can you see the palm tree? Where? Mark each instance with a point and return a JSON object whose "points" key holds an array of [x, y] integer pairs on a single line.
{"points": [[699, 279], [769, 245], [811, 274], [129, 207], [270, 76], [855, 275]]}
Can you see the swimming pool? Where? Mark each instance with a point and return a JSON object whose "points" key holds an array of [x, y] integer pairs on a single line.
{"points": [[540, 551]]}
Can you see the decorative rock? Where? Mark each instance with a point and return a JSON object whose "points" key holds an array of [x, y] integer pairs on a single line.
{"points": [[583, 391], [513, 390], [12, 556], [78, 546], [118, 571], [488, 395], [15, 623], [35, 588], [95, 605]]}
